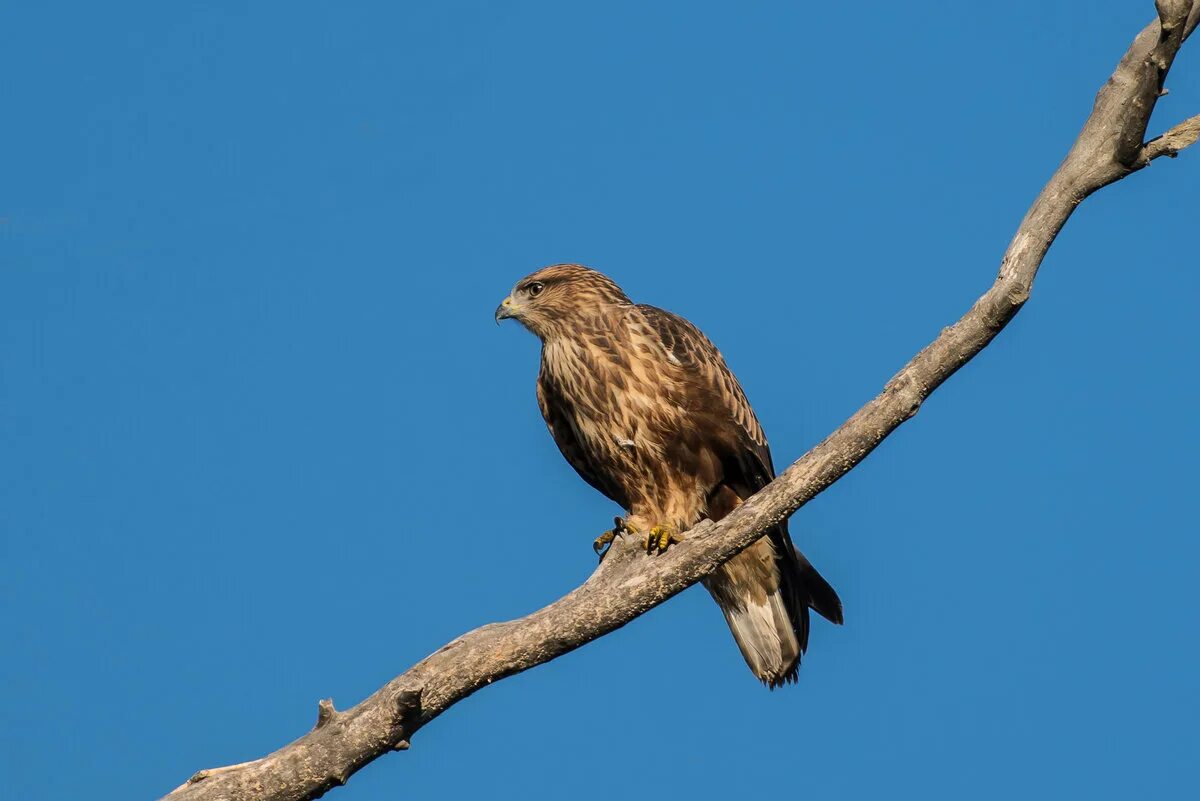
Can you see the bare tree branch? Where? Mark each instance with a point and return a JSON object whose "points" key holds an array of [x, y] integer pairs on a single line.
{"points": [[1110, 146], [1169, 144]]}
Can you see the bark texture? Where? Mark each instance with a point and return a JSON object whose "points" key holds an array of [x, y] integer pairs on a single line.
{"points": [[1111, 145]]}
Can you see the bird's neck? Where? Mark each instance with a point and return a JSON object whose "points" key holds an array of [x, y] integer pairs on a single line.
{"points": [[577, 327]]}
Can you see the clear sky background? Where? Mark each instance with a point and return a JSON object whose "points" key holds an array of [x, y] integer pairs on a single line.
{"points": [[261, 442]]}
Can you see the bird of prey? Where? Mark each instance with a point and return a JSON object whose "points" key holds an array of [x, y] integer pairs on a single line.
{"points": [[642, 405]]}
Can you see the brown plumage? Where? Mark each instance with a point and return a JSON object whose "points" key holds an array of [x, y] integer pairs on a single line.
{"points": [[642, 405]]}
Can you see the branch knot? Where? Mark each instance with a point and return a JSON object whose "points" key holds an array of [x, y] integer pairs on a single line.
{"points": [[325, 713]]}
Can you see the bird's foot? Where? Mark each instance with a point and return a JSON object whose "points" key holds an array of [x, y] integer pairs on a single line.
{"points": [[659, 538], [605, 540]]}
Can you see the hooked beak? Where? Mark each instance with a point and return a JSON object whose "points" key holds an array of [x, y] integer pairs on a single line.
{"points": [[505, 310]]}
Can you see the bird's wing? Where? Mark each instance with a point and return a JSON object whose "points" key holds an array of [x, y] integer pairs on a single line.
{"points": [[749, 468], [722, 396], [551, 403]]}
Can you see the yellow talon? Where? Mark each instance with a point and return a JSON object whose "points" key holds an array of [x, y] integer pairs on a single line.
{"points": [[600, 545], [660, 538], [604, 539], [664, 539]]}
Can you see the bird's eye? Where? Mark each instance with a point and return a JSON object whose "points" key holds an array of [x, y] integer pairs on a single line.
{"points": [[535, 289]]}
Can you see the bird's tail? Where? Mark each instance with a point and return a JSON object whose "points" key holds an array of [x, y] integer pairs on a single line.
{"points": [[765, 593]]}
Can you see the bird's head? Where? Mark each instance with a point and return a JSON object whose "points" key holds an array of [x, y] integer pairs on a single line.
{"points": [[557, 299]]}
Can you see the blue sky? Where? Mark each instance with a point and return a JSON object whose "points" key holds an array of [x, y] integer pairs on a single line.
{"points": [[263, 444]]}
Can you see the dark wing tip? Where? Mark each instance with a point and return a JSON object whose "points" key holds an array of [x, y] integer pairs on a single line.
{"points": [[821, 597]]}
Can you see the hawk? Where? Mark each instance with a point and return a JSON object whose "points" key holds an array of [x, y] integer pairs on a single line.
{"points": [[642, 405]]}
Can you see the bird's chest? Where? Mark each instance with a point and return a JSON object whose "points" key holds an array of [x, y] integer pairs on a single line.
{"points": [[623, 406]]}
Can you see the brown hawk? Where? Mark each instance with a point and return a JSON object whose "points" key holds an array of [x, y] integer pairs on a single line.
{"points": [[643, 407]]}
